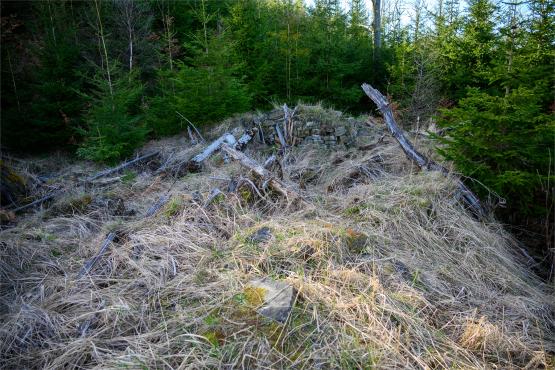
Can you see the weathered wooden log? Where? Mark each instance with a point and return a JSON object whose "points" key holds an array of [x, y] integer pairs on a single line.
{"points": [[245, 139], [258, 170], [88, 266], [468, 196], [39, 201], [195, 163], [122, 166], [157, 205]]}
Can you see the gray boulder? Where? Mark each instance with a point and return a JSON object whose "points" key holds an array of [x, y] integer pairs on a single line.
{"points": [[277, 298]]}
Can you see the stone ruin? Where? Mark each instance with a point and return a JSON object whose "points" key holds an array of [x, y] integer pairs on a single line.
{"points": [[313, 124]]}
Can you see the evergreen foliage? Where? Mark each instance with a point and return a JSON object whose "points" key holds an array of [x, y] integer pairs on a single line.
{"points": [[502, 129], [114, 123], [506, 142]]}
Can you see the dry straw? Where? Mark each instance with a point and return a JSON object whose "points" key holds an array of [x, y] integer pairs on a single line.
{"points": [[390, 272]]}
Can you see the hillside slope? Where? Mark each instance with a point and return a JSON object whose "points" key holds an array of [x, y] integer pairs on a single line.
{"points": [[389, 269]]}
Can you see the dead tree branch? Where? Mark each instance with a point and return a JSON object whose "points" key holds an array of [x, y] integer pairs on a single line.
{"points": [[88, 266], [468, 196], [122, 166], [38, 201], [194, 127], [195, 163], [258, 170]]}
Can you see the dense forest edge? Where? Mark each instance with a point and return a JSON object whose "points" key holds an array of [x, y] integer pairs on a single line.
{"points": [[100, 78]]}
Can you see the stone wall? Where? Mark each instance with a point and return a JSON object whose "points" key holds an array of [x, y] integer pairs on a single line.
{"points": [[320, 126]]}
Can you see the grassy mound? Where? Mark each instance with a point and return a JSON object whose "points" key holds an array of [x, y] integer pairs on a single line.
{"points": [[390, 272]]}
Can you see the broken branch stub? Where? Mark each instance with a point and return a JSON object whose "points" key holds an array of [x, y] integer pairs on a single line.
{"points": [[258, 170], [245, 139], [468, 196]]}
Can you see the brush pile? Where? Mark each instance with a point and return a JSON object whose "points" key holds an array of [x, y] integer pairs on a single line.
{"points": [[388, 268]]}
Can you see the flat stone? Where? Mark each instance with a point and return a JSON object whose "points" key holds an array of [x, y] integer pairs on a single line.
{"points": [[339, 131], [275, 114], [311, 124], [364, 131], [277, 298], [261, 235]]}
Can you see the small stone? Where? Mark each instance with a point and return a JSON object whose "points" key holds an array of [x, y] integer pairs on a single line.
{"points": [[364, 131], [311, 124], [261, 235], [6, 216], [402, 269], [315, 131], [275, 114], [339, 131], [276, 298]]}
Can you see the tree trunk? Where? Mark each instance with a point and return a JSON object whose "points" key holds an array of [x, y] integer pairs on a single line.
{"points": [[101, 35], [377, 24]]}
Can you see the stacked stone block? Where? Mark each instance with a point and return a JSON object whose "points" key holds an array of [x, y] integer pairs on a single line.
{"points": [[330, 130]]}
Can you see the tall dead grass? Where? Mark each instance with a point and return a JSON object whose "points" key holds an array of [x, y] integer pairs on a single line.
{"points": [[390, 272]]}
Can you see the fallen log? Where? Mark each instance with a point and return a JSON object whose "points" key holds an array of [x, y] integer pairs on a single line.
{"points": [[195, 163], [90, 179], [471, 200], [88, 266], [122, 166], [258, 170], [38, 201]]}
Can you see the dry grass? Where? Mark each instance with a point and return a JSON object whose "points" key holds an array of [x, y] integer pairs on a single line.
{"points": [[390, 271]]}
